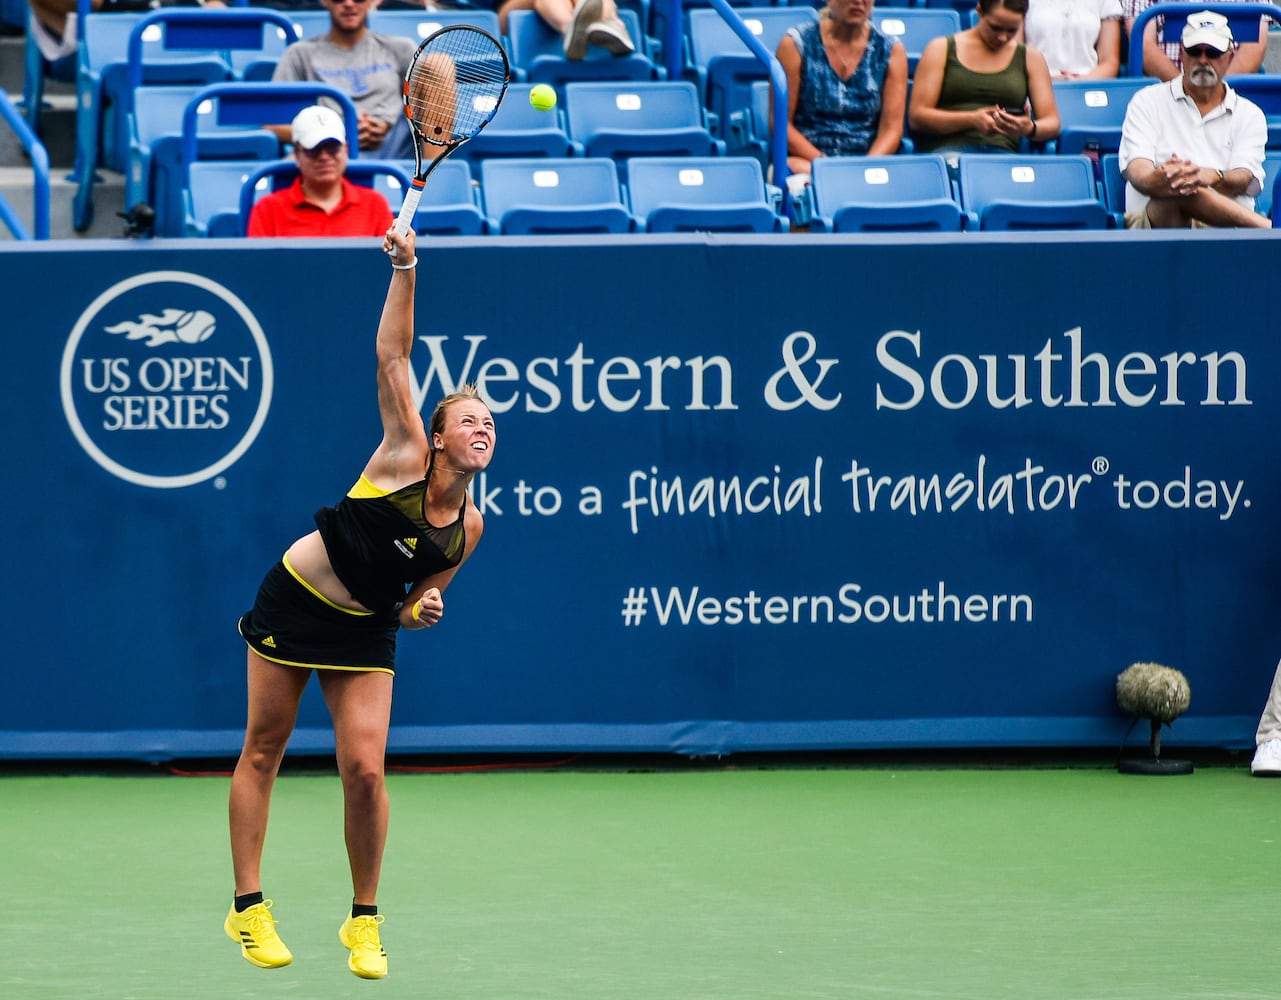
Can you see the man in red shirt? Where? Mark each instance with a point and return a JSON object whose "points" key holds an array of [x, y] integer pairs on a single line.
{"points": [[321, 201]]}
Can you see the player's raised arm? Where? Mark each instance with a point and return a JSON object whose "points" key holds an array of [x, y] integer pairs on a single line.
{"points": [[404, 437]]}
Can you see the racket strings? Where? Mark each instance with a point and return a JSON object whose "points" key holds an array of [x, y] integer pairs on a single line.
{"points": [[455, 86]]}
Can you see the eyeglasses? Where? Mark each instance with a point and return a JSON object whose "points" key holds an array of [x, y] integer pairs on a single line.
{"points": [[339, 3], [1204, 52], [331, 147]]}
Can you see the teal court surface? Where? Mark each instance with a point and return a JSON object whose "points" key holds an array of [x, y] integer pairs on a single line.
{"points": [[683, 882]]}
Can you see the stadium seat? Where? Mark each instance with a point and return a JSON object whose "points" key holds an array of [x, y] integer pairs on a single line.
{"points": [[915, 27], [538, 55], [222, 121], [1264, 89], [418, 25], [644, 118], [519, 129], [1092, 112], [680, 194], [865, 194], [449, 204], [721, 62], [168, 46], [538, 196], [1265, 202], [1012, 191], [211, 199], [1112, 183], [155, 172]]}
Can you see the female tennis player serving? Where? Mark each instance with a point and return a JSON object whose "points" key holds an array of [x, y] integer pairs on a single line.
{"points": [[377, 562]]}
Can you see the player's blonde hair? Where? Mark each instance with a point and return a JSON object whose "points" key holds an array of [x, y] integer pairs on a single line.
{"points": [[437, 424]]}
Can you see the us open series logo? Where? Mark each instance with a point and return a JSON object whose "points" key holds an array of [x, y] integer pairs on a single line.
{"points": [[166, 379]]}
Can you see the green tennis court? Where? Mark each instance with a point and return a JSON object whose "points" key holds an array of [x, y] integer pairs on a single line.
{"points": [[681, 883]]}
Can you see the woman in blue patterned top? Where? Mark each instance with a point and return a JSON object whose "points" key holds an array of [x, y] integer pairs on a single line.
{"points": [[846, 86]]}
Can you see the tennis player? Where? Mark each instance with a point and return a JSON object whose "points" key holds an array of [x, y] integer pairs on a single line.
{"points": [[376, 563]]}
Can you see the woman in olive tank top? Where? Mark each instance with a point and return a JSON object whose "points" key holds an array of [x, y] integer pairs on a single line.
{"points": [[981, 90]]}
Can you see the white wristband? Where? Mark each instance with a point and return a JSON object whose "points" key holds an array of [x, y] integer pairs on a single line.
{"points": [[405, 267]]}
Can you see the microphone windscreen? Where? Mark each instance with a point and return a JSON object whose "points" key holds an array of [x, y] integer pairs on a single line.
{"points": [[1153, 691]]}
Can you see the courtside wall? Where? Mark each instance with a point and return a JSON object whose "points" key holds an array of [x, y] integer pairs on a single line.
{"points": [[748, 493]]}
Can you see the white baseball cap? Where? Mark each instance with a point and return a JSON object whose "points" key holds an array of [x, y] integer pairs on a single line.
{"points": [[318, 124], [1207, 28]]}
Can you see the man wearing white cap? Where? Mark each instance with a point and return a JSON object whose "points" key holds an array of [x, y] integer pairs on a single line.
{"points": [[321, 201], [1192, 149], [1162, 56]]}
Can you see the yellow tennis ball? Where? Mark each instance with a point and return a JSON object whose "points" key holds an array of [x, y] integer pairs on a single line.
{"points": [[542, 97]]}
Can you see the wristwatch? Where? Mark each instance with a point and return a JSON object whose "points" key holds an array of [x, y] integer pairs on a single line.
{"points": [[1220, 180]]}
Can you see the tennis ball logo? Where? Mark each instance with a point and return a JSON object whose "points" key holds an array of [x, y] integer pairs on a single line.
{"points": [[193, 327], [542, 97]]}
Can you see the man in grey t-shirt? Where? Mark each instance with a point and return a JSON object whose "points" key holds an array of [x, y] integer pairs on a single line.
{"points": [[368, 66]]}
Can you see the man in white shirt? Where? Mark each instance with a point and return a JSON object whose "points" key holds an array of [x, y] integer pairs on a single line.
{"points": [[1192, 149]]}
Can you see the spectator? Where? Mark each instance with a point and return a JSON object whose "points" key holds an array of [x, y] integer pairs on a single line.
{"points": [[1192, 149], [971, 91], [364, 64], [580, 22], [846, 87], [321, 201], [53, 26], [1163, 59], [1080, 39]]}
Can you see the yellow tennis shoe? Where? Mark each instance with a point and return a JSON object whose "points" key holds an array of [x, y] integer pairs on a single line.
{"points": [[359, 935], [255, 931]]}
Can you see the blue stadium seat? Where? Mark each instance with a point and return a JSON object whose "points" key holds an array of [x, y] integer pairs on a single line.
{"points": [[155, 173], [915, 27], [449, 204], [1264, 89], [680, 194], [865, 194], [168, 46], [418, 25], [535, 196], [310, 23], [518, 129], [1092, 112], [221, 121], [1265, 202], [721, 62], [538, 56], [1012, 191], [645, 118], [1112, 183], [211, 199]]}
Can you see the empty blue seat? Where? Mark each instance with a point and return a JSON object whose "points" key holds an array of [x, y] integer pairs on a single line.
{"points": [[1000, 191], [1265, 201], [449, 205], [519, 129], [1092, 112], [421, 24], [538, 55], [883, 194], [534, 196], [915, 27], [723, 64], [155, 172], [211, 200], [1112, 183], [645, 118], [701, 194]]}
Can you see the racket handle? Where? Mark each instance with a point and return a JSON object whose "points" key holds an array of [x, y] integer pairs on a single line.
{"points": [[409, 206]]}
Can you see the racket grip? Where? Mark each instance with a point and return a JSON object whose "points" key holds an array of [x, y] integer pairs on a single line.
{"points": [[409, 206]]}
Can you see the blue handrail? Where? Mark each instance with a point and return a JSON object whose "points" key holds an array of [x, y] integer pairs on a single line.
{"points": [[673, 47], [39, 164], [1242, 16]]}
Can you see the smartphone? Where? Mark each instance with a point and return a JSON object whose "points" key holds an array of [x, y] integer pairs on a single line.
{"points": [[1016, 112]]}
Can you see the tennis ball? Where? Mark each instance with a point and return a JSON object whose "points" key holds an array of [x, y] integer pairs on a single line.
{"points": [[542, 97]]}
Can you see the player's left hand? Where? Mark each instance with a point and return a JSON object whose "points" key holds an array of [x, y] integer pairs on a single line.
{"points": [[400, 247]]}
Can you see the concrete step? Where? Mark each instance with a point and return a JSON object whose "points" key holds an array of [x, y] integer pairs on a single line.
{"points": [[17, 185]]}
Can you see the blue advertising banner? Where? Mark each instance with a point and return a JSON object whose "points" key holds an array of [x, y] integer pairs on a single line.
{"points": [[748, 493]]}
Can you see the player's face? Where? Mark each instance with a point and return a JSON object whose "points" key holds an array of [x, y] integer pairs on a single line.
{"points": [[468, 437]]}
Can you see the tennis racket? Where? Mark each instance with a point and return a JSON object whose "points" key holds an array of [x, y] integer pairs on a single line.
{"points": [[453, 86]]}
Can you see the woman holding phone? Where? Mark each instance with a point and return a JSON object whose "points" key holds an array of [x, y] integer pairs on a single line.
{"points": [[982, 90]]}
